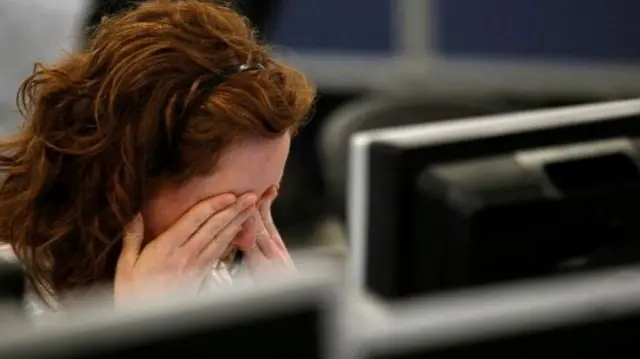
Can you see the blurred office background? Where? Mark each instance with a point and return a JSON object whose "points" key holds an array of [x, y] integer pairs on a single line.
{"points": [[445, 58], [450, 58]]}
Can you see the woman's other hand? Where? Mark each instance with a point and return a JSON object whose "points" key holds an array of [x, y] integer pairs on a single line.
{"points": [[269, 254], [186, 250]]}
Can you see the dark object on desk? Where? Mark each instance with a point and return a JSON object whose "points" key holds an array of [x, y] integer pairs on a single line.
{"points": [[579, 317], [12, 283], [500, 198]]}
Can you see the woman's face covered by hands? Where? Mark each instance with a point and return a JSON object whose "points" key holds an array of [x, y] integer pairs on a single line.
{"points": [[184, 232], [254, 165]]}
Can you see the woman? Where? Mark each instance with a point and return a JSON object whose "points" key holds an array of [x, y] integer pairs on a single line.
{"points": [[153, 155]]}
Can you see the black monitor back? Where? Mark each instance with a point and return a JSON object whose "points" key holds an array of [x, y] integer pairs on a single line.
{"points": [[530, 213], [286, 323], [614, 337], [405, 252], [247, 338], [589, 318]]}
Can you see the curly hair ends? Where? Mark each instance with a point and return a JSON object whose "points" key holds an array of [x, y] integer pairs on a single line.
{"points": [[100, 123]]}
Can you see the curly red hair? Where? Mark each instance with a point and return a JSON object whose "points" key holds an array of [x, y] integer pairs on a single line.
{"points": [[106, 124]]}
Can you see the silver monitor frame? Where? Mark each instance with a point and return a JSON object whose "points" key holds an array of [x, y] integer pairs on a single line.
{"points": [[446, 132], [318, 284], [481, 314]]}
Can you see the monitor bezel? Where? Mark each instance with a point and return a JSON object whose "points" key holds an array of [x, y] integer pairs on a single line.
{"points": [[100, 326], [447, 132]]}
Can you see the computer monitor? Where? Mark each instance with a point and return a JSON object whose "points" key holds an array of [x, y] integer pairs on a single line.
{"points": [[595, 315], [287, 319], [446, 205]]}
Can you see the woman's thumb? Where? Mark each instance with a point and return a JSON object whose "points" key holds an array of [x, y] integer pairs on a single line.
{"points": [[132, 240]]}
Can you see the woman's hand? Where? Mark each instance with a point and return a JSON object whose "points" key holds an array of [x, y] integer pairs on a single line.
{"points": [[186, 250], [269, 254]]}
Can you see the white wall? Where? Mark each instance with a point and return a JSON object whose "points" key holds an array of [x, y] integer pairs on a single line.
{"points": [[32, 31]]}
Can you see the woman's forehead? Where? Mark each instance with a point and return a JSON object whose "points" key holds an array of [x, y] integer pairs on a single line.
{"points": [[249, 166]]}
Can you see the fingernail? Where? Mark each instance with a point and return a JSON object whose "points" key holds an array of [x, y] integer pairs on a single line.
{"points": [[230, 198], [135, 222]]}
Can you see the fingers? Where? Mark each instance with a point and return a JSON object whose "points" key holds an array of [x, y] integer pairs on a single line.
{"points": [[258, 256], [267, 219], [132, 242], [195, 218], [270, 252], [211, 229], [263, 240], [276, 243], [256, 261], [222, 240]]}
